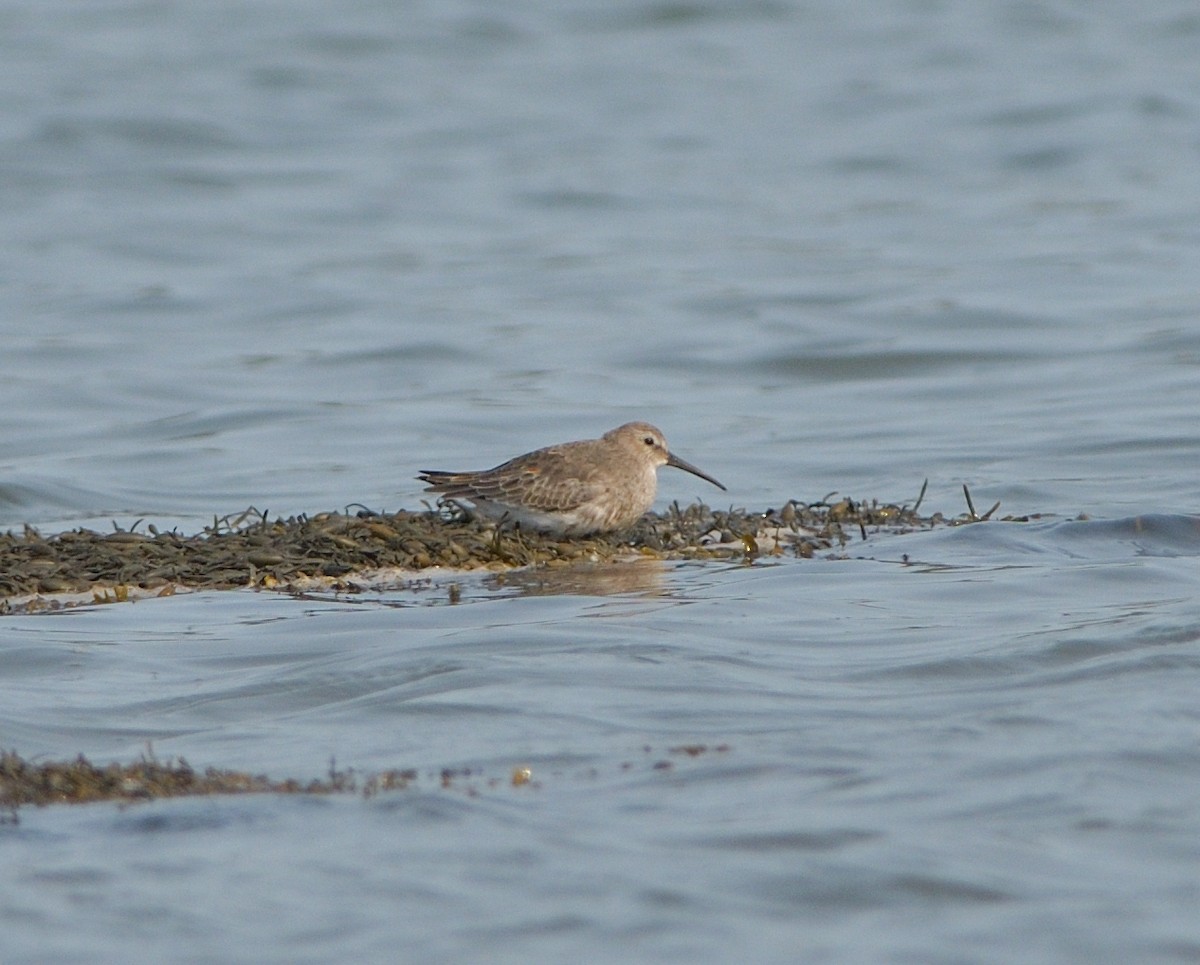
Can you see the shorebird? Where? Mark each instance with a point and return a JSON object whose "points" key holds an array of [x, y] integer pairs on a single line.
{"points": [[572, 489]]}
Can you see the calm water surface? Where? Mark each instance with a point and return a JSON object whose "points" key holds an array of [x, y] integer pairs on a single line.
{"points": [[287, 254]]}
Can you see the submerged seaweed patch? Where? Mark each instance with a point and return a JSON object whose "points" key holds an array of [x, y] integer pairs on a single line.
{"points": [[79, 781]]}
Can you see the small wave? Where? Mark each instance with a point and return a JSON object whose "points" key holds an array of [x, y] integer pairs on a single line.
{"points": [[1152, 534]]}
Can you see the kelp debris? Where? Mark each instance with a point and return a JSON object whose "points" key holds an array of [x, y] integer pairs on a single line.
{"points": [[251, 549], [79, 781]]}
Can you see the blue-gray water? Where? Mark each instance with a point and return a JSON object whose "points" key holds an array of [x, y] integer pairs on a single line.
{"points": [[285, 254]]}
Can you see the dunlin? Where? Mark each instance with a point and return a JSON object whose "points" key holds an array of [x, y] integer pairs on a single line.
{"points": [[591, 486]]}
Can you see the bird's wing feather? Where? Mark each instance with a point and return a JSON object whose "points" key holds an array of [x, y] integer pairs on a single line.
{"points": [[551, 480]]}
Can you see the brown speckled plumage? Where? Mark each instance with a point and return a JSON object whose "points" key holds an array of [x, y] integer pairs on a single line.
{"points": [[572, 489]]}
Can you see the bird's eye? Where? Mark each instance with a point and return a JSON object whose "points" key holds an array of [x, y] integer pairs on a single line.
{"points": [[649, 440]]}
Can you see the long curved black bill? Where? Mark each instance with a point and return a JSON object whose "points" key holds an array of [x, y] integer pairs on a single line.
{"points": [[674, 460]]}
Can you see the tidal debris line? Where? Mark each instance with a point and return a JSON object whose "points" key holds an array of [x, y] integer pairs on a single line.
{"points": [[249, 549], [41, 783]]}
